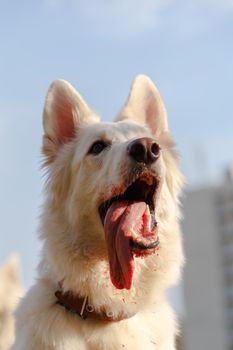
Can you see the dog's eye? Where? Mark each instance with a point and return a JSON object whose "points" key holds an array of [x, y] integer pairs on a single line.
{"points": [[97, 147]]}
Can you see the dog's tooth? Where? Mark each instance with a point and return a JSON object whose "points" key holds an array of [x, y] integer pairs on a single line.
{"points": [[148, 215], [133, 233], [147, 211]]}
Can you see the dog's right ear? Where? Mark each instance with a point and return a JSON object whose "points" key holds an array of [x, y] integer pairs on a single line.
{"points": [[145, 106], [64, 112]]}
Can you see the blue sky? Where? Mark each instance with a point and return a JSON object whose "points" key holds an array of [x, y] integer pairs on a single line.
{"points": [[185, 46]]}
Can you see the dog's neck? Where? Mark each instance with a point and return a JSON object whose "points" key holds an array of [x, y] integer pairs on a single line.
{"points": [[79, 306]]}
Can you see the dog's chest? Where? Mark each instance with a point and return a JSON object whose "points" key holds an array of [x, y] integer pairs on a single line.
{"points": [[123, 335]]}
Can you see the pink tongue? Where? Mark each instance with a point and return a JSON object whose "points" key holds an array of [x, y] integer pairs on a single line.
{"points": [[121, 217]]}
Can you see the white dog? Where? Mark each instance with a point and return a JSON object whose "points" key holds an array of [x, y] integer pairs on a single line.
{"points": [[10, 292], [110, 228]]}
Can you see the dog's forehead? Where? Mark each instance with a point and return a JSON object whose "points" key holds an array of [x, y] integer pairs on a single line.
{"points": [[114, 131]]}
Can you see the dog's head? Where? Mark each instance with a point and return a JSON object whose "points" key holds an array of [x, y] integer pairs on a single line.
{"points": [[113, 187]]}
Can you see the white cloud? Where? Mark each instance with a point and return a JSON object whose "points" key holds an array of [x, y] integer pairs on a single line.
{"points": [[127, 19], [123, 17], [132, 18]]}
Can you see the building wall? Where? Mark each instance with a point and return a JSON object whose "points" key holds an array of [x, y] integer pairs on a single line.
{"points": [[225, 220], [205, 317]]}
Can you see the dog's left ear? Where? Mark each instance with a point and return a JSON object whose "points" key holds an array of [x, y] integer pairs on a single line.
{"points": [[64, 112], [145, 106]]}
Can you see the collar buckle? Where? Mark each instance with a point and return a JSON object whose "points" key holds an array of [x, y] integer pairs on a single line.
{"points": [[83, 308]]}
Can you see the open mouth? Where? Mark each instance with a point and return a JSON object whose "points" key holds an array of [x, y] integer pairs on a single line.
{"points": [[130, 227]]}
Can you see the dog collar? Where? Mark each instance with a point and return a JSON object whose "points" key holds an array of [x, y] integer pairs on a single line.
{"points": [[80, 306]]}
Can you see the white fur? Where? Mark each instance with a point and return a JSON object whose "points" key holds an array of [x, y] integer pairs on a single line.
{"points": [[10, 292], [74, 248]]}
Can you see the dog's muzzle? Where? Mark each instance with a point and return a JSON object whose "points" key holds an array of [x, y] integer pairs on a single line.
{"points": [[129, 217]]}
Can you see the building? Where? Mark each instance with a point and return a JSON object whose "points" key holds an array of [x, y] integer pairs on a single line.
{"points": [[208, 275]]}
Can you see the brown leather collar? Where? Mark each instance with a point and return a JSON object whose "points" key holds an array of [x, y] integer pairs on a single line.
{"points": [[79, 306]]}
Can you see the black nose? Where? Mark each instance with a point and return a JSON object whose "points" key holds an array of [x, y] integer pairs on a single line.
{"points": [[144, 150]]}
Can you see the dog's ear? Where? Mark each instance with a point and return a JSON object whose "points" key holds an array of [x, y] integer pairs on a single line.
{"points": [[64, 112], [145, 105], [11, 268]]}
